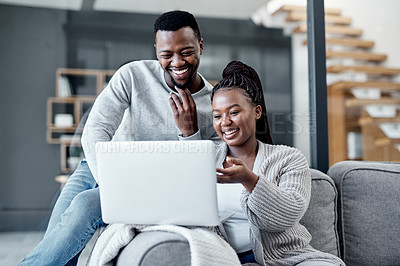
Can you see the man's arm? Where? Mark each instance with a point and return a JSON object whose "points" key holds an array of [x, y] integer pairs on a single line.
{"points": [[106, 116]]}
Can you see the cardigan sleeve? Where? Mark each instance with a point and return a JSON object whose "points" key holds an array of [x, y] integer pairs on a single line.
{"points": [[282, 193]]}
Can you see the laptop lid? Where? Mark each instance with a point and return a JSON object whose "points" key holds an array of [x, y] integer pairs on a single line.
{"points": [[158, 182]]}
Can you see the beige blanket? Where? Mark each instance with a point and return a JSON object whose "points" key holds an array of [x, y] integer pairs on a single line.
{"points": [[206, 247]]}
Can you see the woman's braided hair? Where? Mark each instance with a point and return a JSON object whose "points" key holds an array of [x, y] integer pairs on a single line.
{"points": [[239, 75]]}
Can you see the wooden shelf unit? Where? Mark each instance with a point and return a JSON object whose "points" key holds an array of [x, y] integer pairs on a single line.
{"points": [[75, 104], [67, 165], [100, 76], [78, 111]]}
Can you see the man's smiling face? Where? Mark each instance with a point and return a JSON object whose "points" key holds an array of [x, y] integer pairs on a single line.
{"points": [[179, 55]]}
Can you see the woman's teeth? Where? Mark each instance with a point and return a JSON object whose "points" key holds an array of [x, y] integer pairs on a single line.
{"points": [[179, 72], [230, 131]]}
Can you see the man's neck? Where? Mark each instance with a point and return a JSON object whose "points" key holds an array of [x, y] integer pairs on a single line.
{"points": [[196, 85]]}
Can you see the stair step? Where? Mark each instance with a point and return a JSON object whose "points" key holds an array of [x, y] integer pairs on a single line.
{"points": [[350, 42], [343, 30], [353, 42], [377, 70], [356, 55], [354, 102], [382, 142], [364, 121], [302, 16], [347, 85], [292, 8], [386, 141]]}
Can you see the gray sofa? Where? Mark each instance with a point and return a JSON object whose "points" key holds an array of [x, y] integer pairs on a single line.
{"points": [[354, 213]]}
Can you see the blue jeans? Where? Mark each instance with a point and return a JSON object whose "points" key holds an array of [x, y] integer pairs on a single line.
{"points": [[75, 218]]}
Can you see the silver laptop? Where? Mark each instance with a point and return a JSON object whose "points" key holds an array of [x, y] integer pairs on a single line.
{"points": [[158, 182]]}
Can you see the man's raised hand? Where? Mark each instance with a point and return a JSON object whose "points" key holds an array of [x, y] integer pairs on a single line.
{"points": [[184, 111]]}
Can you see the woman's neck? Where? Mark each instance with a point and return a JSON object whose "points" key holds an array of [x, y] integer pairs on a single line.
{"points": [[247, 152]]}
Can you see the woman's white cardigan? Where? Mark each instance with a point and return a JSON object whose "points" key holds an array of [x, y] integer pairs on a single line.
{"points": [[276, 205]]}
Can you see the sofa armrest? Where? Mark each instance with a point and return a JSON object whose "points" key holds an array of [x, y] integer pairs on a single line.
{"points": [[320, 218], [155, 248], [369, 204]]}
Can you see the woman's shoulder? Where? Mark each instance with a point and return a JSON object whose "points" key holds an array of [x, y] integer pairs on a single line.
{"points": [[278, 148], [284, 153]]}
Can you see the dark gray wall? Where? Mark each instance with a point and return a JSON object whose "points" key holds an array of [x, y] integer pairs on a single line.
{"points": [[32, 47], [35, 42]]}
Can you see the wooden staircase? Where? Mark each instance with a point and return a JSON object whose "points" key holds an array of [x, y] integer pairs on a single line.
{"points": [[347, 112]]}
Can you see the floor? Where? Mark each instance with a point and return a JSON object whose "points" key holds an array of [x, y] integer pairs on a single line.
{"points": [[15, 245]]}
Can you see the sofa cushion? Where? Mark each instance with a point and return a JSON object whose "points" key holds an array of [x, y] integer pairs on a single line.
{"points": [[369, 225], [321, 217]]}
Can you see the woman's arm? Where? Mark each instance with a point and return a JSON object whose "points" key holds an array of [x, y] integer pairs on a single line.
{"points": [[281, 196]]}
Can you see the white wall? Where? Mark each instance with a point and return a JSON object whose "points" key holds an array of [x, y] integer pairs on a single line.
{"points": [[379, 21]]}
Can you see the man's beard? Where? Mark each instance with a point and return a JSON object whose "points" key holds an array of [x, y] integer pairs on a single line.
{"points": [[186, 85]]}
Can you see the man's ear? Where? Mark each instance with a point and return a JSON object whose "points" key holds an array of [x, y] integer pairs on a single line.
{"points": [[258, 111], [201, 46], [155, 49]]}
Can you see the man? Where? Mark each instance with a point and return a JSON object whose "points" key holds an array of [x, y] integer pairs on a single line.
{"points": [[145, 100]]}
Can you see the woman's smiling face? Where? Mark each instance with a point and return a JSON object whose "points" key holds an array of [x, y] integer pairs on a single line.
{"points": [[234, 116]]}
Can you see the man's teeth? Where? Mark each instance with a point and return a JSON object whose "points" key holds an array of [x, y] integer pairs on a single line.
{"points": [[178, 72], [230, 131]]}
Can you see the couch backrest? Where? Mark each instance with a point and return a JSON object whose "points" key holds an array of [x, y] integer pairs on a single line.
{"points": [[321, 216], [369, 204]]}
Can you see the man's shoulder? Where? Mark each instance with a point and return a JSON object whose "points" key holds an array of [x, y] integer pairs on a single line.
{"points": [[141, 64], [221, 149], [144, 70]]}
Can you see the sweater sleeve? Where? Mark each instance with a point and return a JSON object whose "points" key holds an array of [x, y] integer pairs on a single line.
{"points": [[197, 136], [106, 115], [282, 193]]}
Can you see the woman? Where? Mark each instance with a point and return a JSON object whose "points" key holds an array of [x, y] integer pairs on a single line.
{"points": [[276, 178]]}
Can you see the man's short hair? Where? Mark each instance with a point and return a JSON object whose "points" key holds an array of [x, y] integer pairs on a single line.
{"points": [[175, 20]]}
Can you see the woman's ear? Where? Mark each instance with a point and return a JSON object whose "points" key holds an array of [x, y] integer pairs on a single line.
{"points": [[258, 111]]}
